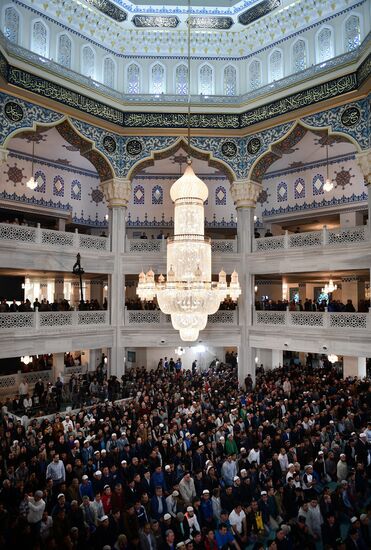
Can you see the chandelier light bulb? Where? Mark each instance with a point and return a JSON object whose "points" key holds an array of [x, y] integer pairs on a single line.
{"points": [[32, 183], [333, 358]]}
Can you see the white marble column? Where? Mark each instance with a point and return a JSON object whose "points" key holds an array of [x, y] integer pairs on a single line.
{"points": [[95, 356], [245, 193], [58, 289], [117, 192], [58, 368], [354, 366], [364, 162]]}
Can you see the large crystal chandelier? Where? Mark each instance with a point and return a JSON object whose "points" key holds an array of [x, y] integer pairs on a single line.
{"points": [[188, 293]]}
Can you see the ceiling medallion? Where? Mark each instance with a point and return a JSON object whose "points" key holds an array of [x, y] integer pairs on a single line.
{"points": [[155, 21], [109, 8], [109, 143], [219, 23], [350, 117], [134, 147], [254, 146], [258, 11], [229, 149], [13, 111]]}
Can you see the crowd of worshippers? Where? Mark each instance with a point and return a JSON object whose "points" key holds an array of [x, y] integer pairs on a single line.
{"points": [[194, 462], [312, 305], [45, 305]]}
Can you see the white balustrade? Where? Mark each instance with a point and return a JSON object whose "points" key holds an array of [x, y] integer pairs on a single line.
{"points": [[9, 383], [156, 317], [312, 239], [349, 235], [50, 319], [221, 246], [317, 319], [145, 245], [224, 246], [49, 238]]}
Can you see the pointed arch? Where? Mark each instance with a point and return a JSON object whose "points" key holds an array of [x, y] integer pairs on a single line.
{"points": [[275, 65], [158, 78], [325, 48], [109, 72], [12, 23], [133, 78], [181, 79], [40, 38], [230, 80], [74, 137], [88, 61], [278, 148], [64, 50], [352, 32], [206, 79], [181, 143], [255, 79], [299, 55]]}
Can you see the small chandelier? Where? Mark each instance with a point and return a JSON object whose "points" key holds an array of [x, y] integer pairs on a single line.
{"points": [[26, 359], [333, 358], [329, 287], [32, 183], [188, 293], [328, 185]]}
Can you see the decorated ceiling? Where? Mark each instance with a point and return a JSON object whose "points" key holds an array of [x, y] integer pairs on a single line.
{"points": [[225, 28]]}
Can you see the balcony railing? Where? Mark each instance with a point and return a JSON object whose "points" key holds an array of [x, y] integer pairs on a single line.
{"points": [[50, 239], [316, 319], [313, 239], [221, 246], [156, 317], [44, 320]]}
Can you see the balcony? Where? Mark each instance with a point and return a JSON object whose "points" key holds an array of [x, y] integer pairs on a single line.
{"points": [[149, 318], [25, 333], [139, 246], [25, 247], [48, 238], [315, 319], [313, 239]]}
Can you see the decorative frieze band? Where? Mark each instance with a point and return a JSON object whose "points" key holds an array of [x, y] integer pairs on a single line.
{"points": [[321, 92]]}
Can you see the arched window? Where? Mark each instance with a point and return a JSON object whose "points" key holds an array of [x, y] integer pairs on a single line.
{"points": [[181, 80], [133, 79], [109, 72], [205, 81], [40, 39], [64, 51], [230, 80], [325, 45], [158, 79], [352, 33], [88, 62], [255, 78], [11, 25], [275, 65], [299, 56]]}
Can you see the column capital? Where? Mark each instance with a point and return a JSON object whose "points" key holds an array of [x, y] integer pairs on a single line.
{"points": [[3, 155], [364, 162], [117, 192], [245, 193]]}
